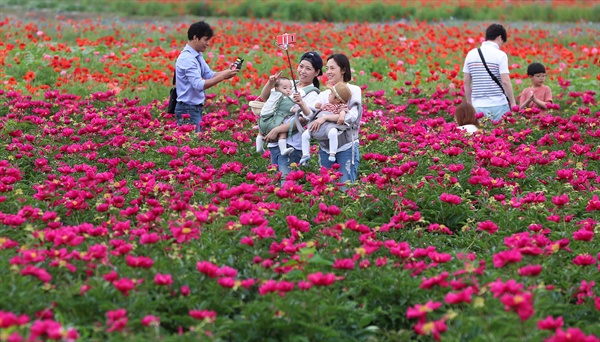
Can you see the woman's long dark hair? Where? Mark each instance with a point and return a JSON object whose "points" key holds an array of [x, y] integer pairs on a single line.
{"points": [[315, 60], [342, 61]]}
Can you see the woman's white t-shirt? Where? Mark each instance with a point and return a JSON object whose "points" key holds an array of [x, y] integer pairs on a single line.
{"points": [[469, 128], [352, 115]]}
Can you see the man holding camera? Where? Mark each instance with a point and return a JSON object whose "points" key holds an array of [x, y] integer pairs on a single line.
{"points": [[193, 76], [487, 80]]}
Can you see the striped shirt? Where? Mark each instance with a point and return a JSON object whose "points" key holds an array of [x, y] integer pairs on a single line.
{"points": [[486, 92]]}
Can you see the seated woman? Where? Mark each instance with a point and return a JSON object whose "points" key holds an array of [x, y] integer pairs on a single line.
{"points": [[347, 155], [464, 114]]}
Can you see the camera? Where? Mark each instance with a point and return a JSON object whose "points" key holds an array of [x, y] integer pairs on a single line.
{"points": [[286, 39], [238, 63]]}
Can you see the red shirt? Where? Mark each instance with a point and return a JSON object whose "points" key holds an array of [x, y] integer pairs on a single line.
{"points": [[542, 93], [334, 108]]}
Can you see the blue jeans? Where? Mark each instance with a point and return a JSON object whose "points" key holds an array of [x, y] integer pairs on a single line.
{"points": [[283, 162], [347, 160], [495, 113], [195, 112]]}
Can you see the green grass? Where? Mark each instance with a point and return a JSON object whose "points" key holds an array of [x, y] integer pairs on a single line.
{"points": [[327, 10]]}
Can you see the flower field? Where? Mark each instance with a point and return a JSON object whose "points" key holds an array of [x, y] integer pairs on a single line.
{"points": [[115, 224]]}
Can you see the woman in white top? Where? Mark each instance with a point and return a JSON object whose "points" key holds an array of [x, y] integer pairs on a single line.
{"points": [[464, 114], [338, 70], [309, 69]]}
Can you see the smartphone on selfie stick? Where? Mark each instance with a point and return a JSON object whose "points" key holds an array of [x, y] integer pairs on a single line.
{"points": [[283, 41]]}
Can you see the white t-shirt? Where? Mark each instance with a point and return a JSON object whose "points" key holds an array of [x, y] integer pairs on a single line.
{"points": [[352, 114], [486, 92], [469, 128]]}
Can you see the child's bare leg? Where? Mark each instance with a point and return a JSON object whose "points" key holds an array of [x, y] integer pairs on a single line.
{"points": [[282, 142], [259, 143], [332, 135]]}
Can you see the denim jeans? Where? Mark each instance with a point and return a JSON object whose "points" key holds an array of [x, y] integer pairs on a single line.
{"points": [[494, 113], [283, 162], [195, 112], [345, 158]]}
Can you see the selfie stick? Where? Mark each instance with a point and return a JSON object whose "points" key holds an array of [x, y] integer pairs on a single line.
{"points": [[291, 70], [285, 47]]}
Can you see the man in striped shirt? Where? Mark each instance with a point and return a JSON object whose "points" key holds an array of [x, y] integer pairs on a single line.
{"points": [[481, 90]]}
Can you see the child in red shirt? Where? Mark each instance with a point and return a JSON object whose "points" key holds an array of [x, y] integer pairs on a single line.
{"points": [[538, 95]]}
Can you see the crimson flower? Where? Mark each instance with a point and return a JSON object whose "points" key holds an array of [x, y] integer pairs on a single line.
{"points": [[584, 260], [521, 303], [163, 279], [207, 268], [431, 328], [502, 258], [450, 198], [321, 279], [487, 226], [344, 264], [209, 316], [571, 335], [420, 311], [530, 270], [150, 320], [549, 323]]}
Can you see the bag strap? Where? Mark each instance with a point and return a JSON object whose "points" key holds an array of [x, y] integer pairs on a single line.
{"points": [[175, 70], [489, 72], [492, 75]]}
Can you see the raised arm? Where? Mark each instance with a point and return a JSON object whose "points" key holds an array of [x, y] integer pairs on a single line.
{"points": [[266, 90]]}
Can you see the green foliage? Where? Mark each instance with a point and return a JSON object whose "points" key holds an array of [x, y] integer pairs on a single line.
{"points": [[327, 10]]}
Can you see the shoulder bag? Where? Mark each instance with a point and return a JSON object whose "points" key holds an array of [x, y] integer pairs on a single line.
{"points": [[172, 97]]}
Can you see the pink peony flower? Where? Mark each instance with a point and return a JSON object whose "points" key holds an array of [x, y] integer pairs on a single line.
{"points": [[450, 198]]}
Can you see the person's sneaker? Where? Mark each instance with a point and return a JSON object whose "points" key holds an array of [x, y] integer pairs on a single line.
{"points": [[304, 159], [332, 159], [287, 151]]}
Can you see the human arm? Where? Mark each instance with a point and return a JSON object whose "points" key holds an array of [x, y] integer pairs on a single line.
{"points": [[309, 100], [220, 77], [298, 100], [342, 115], [525, 98], [508, 89], [544, 99], [468, 87], [203, 78], [541, 104], [266, 90]]}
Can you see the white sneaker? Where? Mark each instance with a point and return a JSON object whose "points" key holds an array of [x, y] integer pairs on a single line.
{"points": [[304, 159]]}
